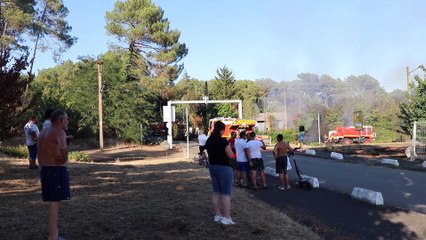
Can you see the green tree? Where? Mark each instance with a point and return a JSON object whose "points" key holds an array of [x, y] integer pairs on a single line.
{"points": [[127, 104], [15, 20], [41, 22], [222, 88], [415, 108], [74, 87], [250, 93], [192, 89], [153, 49], [50, 30]]}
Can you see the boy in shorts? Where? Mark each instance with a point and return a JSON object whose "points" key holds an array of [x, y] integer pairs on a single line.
{"points": [[54, 176]]}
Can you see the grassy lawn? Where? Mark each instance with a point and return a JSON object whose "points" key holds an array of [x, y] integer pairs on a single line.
{"points": [[149, 194]]}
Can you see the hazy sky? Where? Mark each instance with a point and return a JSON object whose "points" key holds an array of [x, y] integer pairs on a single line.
{"points": [[277, 39]]}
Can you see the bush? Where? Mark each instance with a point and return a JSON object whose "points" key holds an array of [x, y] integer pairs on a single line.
{"points": [[20, 151], [78, 156], [289, 135], [315, 144]]}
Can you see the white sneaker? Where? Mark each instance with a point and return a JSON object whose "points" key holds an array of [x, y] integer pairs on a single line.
{"points": [[217, 218], [227, 221]]}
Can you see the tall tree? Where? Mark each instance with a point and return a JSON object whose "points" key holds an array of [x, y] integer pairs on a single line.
{"points": [[222, 88], [50, 30], [154, 50], [415, 108], [41, 22], [15, 20]]}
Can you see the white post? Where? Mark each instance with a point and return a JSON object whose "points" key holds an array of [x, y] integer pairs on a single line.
{"points": [[170, 125], [319, 129], [414, 138], [187, 134], [240, 109]]}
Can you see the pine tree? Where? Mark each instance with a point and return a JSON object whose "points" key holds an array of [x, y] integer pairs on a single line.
{"points": [[154, 49]]}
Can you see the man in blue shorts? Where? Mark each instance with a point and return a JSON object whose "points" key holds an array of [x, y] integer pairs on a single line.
{"points": [[54, 176]]}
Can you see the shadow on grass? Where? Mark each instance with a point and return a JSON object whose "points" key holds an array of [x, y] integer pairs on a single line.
{"points": [[112, 155], [334, 215], [162, 201]]}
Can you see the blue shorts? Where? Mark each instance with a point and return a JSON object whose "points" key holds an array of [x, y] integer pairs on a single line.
{"points": [[221, 179], [32, 152], [243, 166], [55, 183]]}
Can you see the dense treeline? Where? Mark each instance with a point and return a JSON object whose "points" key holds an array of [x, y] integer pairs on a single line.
{"points": [[141, 72]]}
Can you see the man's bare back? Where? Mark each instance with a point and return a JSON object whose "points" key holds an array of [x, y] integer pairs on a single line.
{"points": [[281, 149]]}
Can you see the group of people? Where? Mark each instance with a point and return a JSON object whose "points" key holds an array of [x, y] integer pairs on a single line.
{"points": [[50, 147], [238, 161]]}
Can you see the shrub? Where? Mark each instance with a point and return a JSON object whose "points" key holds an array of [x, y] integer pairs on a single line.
{"points": [[78, 156], [289, 135], [20, 151]]}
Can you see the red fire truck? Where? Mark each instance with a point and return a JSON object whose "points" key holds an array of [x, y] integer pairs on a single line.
{"points": [[233, 124], [348, 135]]}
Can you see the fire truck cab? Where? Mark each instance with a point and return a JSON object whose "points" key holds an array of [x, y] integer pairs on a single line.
{"points": [[232, 125]]}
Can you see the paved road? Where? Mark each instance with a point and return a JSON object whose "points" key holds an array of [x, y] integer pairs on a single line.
{"points": [[400, 188]]}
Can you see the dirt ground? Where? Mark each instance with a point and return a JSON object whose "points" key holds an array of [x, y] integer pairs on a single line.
{"points": [[135, 193], [330, 221], [123, 182]]}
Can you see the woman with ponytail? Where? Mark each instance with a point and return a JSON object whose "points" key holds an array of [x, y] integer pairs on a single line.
{"points": [[219, 154]]}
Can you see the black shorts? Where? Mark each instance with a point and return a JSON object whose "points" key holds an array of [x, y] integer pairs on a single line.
{"points": [[55, 183], [281, 164], [202, 148], [257, 164]]}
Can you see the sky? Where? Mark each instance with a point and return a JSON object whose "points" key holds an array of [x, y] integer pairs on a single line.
{"points": [[276, 39]]}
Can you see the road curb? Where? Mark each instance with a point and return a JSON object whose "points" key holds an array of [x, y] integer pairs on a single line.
{"points": [[312, 180], [390, 161], [310, 152], [367, 195], [336, 155]]}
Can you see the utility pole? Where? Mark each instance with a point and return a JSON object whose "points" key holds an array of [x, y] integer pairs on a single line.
{"points": [[408, 80], [319, 128], [101, 133], [407, 69], [285, 108]]}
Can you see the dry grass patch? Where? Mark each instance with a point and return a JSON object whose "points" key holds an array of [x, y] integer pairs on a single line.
{"points": [[153, 198]]}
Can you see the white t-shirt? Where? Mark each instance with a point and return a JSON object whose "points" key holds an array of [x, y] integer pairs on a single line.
{"points": [[255, 146], [240, 145], [47, 123], [28, 129], [202, 139]]}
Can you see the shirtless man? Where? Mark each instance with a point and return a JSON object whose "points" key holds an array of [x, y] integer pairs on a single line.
{"points": [[54, 176], [280, 155]]}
